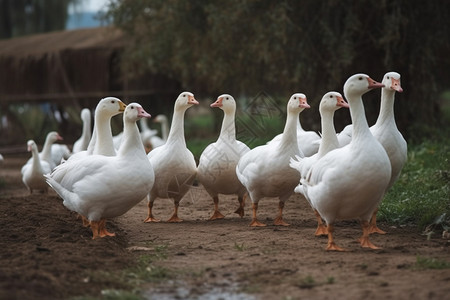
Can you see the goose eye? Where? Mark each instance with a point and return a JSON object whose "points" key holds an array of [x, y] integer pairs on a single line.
{"points": [[112, 101], [387, 77], [295, 98], [360, 78], [331, 96], [226, 98], [184, 95]]}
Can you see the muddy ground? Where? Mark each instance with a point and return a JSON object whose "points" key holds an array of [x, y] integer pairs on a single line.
{"points": [[47, 254]]}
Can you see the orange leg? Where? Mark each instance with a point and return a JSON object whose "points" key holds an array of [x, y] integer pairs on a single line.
{"points": [[174, 218], [84, 220], [240, 211], [321, 228], [102, 229], [150, 217], [279, 219], [364, 239], [331, 245], [255, 222], [216, 215], [373, 224], [94, 228]]}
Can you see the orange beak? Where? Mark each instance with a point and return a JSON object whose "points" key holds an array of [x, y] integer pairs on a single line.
{"points": [[191, 100], [218, 102], [374, 84], [395, 85], [303, 103], [341, 102]]}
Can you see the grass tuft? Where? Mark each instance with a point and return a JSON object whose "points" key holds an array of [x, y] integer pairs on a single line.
{"points": [[420, 195], [425, 263]]}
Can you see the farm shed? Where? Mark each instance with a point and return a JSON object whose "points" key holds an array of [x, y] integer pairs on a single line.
{"points": [[72, 69]]}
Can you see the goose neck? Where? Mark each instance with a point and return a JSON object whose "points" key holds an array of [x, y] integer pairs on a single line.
{"points": [[386, 115], [176, 133], [228, 130], [104, 144], [47, 149], [360, 125], [86, 132], [329, 138], [164, 129], [36, 161], [131, 140], [289, 136]]}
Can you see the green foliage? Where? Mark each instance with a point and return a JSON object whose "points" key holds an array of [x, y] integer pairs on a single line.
{"points": [[421, 194], [22, 17], [239, 247], [425, 263], [35, 121], [281, 47]]}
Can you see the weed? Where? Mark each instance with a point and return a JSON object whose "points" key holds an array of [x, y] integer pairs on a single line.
{"points": [[307, 283], [330, 280], [240, 247], [424, 263]]}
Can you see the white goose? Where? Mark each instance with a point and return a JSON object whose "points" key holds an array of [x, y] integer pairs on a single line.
{"points": [[60, 152], [349, 182], [101, 187], [101, 141], [146, 134], [46, 153], [330, 102], [265, 171], [156, 141], [386, 132], [33, 171], [217, 165], [307, 140], [82, 143], [174, 164]]}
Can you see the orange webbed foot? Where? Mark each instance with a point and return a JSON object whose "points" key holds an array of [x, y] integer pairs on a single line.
{"points": [[321, 230], [280, 222], [365, 243], [375, 229], [333, 247], [174, 219], [151, 219], [216, 216], [256, 223]]}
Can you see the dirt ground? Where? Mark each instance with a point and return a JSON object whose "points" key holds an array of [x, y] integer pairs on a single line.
{"points": [[47, 254]]}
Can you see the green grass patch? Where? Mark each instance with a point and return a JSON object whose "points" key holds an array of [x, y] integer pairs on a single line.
{"points": [[126, 283], [421, 194], [239, 247], [424, 263]]}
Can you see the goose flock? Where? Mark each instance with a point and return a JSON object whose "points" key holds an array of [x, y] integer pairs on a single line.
{"points": [[341, 175]]}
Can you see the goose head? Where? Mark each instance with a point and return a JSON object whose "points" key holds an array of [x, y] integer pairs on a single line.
{"points": [[391, 80], [297, 103], [358, 85], [110, 106], [134, 112], [85, 115], [226, 103], [160, 119], [332, 101], [185, 100], [31, 146], [52, 137]]}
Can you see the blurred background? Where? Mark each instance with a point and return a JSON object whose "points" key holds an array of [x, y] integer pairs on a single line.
{"points": [[59, 56]]}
